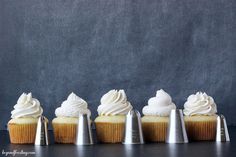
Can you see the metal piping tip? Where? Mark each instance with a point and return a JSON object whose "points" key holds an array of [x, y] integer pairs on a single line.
{"points": [[41, 138], [222, 134], [133, 133], [176, 132], [84, 132]]}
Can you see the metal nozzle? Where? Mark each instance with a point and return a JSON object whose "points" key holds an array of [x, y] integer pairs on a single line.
{"points": [[84, 133], [133, 133], [176, 132], [41, 138], [222, 134]]}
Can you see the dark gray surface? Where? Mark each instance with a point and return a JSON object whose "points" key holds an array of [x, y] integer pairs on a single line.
{"points": [[91, 46], [195, 149]]}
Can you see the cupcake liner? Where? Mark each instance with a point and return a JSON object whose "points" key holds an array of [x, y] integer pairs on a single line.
{"points": [[110, 132], [201, 130], [64, 133], [22, 133], [154, 131]]}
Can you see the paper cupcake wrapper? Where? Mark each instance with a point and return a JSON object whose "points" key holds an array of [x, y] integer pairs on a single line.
{"points": [[64, 133], [154, 132], [22, 133], [110, 132], [201, 131]]}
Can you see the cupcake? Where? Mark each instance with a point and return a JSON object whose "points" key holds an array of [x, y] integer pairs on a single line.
{"points": [[156, 117], [111, 120], [200, 117], [66, 121], [22, 127]]}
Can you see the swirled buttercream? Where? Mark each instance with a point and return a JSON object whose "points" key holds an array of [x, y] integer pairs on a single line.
{"points": [[200, 104], [72, 107], [160, 105], [114, 103], [27, 107]]}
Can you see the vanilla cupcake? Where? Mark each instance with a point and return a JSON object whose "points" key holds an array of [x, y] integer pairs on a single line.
{"points": [[200, 117], [156, 117], [67, 116], [111, 120], [22, 127]]}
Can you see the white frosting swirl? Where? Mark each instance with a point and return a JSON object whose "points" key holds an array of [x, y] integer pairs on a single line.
{"points": [[114, 103], [161, 105], [199, 104], [72, 107], [27, 107]]}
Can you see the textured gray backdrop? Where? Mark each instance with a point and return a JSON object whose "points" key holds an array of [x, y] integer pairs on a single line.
{"points": [[91, 46]]}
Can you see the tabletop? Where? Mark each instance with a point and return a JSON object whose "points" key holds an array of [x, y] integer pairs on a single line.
{"points": [[193, 149]]}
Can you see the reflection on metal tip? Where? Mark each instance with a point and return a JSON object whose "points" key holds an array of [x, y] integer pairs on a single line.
{"points": [[84, 132], [41, 138], [133, 133], [176, 132], [222, 134]]}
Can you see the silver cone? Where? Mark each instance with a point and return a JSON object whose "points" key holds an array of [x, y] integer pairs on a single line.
{"points": [[222, 134], [133, 133], [41, 138], [84, 133], [176, 132]]}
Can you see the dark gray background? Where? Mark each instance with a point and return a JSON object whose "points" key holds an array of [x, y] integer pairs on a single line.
{"points": [[91, 46]]}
